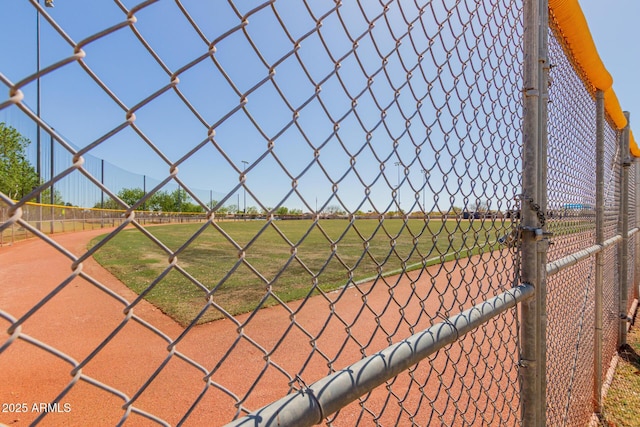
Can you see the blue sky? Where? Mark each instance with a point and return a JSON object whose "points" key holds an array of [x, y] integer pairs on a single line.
{"points": [[355, 148], [616, 33]]}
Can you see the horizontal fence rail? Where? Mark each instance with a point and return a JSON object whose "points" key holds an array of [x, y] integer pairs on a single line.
{"points": [[574, 258], [327, 396]]}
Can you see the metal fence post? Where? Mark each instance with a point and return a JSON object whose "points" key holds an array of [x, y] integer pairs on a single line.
{"points": [[623, 229], [542, 244], [530, 351], [636, 275], [599, 257], [102, 193], [52, 189]]}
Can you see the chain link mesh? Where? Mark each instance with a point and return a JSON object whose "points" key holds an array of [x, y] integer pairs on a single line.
{"points": [[572, 219], [632, 289], [391, 128], [571, 157], [365, 159], [571, 202], [611, 294]]}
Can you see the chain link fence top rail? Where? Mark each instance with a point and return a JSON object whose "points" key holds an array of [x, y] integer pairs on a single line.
{"points": [[379, 109]]}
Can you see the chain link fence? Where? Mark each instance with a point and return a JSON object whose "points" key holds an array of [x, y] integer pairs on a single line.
{"points": [[52, 219], [572, 199], [393, 130], [584, 307]]}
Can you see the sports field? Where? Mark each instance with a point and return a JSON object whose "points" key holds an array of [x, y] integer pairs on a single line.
{"points": [[239, 262], [252, 366]]}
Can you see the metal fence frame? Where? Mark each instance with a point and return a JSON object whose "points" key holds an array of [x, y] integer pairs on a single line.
{"points": [[310, 405]]}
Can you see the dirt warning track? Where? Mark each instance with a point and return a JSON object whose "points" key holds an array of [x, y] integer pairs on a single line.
{"points": [[250, 362]]}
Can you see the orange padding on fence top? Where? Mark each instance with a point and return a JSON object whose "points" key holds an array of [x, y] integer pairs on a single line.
{"points": [[574, 29], [612, 107]]}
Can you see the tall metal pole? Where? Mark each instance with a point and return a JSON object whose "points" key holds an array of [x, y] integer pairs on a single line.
{"points": [[38, 145], [245, 163], [530, 266], [102, 193], [424, 199], [102, 182], [52, 166], [623, 227], [597, 348], [52, 198], [398, 188], [144, 190], [47, 3]]}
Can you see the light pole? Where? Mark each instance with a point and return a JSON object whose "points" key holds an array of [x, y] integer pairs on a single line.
{"points": [[398, 187], [38, 147], [424, 200], [244, 215], [144, 190], [47, 3], [52, 194]]}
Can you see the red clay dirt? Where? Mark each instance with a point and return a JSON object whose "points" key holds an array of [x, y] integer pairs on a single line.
{"points": [[473, 382]]}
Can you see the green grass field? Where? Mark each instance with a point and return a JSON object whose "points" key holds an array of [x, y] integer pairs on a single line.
{"points": [[622, 403], [291, 258]]}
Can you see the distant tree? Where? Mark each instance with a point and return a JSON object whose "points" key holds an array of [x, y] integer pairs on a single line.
{"points": [[17, 176], [107, 204], [180, 200], [45, 197], [128, 195], [131, 195], [162, 201], [221, 210], [252, 210], [295, 211], [334, 210], [282, 210], [480, 206], [191, 207]]}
